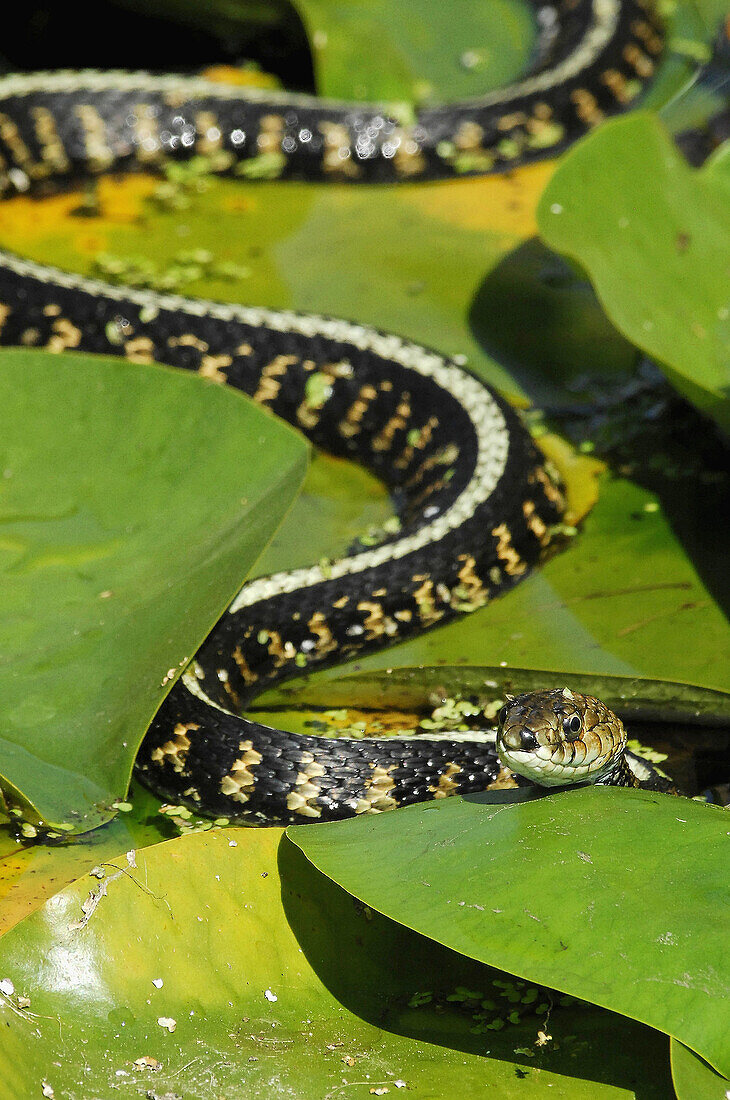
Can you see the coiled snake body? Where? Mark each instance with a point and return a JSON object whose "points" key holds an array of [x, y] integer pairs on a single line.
{"points": [[475, 502]]}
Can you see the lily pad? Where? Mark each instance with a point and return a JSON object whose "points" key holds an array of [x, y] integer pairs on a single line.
{"points": [[691, 27], [693, 1079], [654, 236], [420, 688], [616, 896], [225, 965], [132, 503], [31, 872], [424, 49]]}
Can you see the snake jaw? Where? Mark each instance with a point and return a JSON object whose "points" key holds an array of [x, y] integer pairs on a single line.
{"points": [[539, 738]]}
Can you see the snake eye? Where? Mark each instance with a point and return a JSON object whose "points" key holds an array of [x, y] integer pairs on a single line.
{"points": [[572, 727], [501, 717]]}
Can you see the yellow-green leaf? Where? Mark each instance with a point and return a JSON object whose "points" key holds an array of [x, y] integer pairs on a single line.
{"points": [[617, 896], [654, 236], [224, 965], [133, 500]]}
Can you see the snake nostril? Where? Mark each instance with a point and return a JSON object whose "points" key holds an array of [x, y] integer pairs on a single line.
{"points": [[528, 741]]}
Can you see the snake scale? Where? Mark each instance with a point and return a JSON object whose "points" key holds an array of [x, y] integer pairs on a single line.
{"points": [[475, 502]]}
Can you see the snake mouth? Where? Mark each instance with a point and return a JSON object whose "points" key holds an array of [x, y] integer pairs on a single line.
{"points": [[556, 766], [557, 738]]}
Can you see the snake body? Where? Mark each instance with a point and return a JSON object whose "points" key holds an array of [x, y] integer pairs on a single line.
{"points": [[475, 502], [592, 59]]}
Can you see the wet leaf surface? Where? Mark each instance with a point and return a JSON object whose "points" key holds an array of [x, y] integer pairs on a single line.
{"points": [[613, 895], [654, 235], [127, 524], [31, 872], [692, 1078], [417, 688], [226, 965], [424, 51]]}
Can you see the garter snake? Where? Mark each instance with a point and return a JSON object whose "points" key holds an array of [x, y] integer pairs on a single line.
{"points": [[476, 503]]}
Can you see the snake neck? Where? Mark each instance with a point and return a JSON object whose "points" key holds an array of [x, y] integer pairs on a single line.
{"points": [[620, 776]]}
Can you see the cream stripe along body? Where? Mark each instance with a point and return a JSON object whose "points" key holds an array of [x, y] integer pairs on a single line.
{"points": [[592, 59], [475, 503]]}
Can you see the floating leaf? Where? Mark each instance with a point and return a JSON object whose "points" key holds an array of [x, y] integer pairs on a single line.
{"points": [[30, 872], [132, 502], [654, 236], [693, 1079], [416, 688], [422, 52], [225, 965], [616, 896]]}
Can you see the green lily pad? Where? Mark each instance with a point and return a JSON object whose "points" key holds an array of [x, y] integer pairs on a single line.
{"points": [[654, 236], [425, 50], [616, 896], [225, 965], [692, 1078], [691, 27], [423, 687], [133, 501], [31, 872]]}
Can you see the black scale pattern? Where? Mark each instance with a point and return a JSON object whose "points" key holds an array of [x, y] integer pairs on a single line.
{"points": [[195, 753], [314, 138], [215, 746]]}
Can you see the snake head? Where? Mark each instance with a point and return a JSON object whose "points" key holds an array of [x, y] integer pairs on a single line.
{"points": [[559, 737]]}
